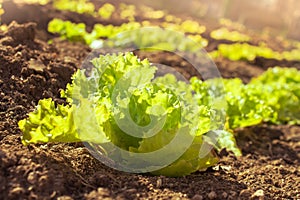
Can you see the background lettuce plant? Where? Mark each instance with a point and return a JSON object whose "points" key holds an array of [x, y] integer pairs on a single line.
{"points": [[224, 34]]}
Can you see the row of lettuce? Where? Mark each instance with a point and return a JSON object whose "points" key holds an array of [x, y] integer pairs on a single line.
{"points": [[192, 29], [133, 32], [141, 35], [130, 13], [122, 101]]}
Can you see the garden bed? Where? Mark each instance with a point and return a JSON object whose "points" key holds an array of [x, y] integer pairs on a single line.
{"points": [[32, 69]]}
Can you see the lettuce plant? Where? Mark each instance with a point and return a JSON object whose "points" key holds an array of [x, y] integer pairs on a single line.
{"points": [[79, 6], [279, 88], [106, 10], [187, 26], [68, 30], [273, 97], [150, 13], [121, 103], [225, 34], [127, 11]]}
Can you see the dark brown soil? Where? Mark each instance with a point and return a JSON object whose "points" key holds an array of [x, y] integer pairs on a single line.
{"points": [[31, 69]]}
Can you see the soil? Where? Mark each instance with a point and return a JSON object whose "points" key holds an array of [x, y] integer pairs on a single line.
{"points": [[32, 69]]}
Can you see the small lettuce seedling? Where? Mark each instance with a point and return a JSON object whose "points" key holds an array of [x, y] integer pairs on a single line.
{"points": [[225, 34], [106, 10], [79, 6]]}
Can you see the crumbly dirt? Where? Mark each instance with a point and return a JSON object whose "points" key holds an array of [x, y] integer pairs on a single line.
{"points": [[32, 69]]}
